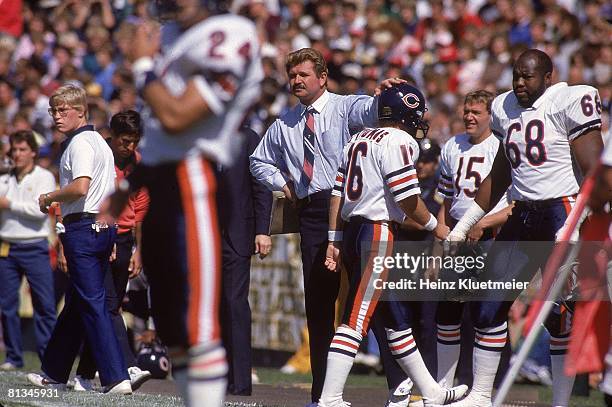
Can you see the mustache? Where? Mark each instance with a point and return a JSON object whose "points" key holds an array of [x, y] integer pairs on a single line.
{"points": [[296, 87]]}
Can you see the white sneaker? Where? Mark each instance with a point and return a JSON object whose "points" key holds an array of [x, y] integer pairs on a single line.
{"points": [[400, 396], [6, 366], [288, 369], [123, 387], [82, 384], [254, 377], [447, 396], [473, 400], [138, 377], [44, 381]]}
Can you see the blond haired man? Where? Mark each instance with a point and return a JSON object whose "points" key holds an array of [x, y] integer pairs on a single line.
{"points": [[87, 176]]}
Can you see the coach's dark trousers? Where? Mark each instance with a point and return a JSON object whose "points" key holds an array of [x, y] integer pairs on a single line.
{"points": [[85, 316], [320, 285], [236, 319], [115, 283]]}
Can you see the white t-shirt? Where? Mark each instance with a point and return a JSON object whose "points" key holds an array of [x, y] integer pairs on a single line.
{"points": [[537, 139], [377, 171], [87, 155], [463, 166], [24, 221], [222, 55]]}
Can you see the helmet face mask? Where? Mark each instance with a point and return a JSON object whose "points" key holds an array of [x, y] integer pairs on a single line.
{"points": [[405, 105]]}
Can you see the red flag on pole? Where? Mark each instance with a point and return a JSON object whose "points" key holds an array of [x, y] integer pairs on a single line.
{"points": [[590, 337]]}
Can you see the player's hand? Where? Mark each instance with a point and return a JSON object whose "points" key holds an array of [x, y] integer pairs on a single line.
{"points": [[135, 266], [475, 233], [112, 207], [388, 83], [145, 42], [289, 191], [441, 231], [62, 264], [263, 245], [332, 256]]}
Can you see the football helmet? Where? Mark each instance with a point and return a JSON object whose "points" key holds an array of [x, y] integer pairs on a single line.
{"points": [[404, 104], [154, 358]]}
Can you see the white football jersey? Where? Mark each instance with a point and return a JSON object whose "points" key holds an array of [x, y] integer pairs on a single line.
{"points": [[222, 55], [463, 166], [537, 139], [376, 172]]}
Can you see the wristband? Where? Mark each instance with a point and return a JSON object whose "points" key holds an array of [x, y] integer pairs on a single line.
{"points": [[334, 235], [142, 69], [431, 223]]}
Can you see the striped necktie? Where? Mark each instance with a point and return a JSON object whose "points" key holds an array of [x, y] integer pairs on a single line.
{"points": [[309, 149]]}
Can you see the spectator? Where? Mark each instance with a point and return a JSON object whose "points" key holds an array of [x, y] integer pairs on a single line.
{"points": [[86, 177], [126, 130], [24, 249]]}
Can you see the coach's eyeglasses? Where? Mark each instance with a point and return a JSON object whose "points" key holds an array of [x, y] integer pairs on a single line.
{"points": [[63, 111]]}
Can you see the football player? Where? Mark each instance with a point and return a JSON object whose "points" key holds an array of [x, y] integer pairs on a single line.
{"points": [[376, 188], [197, 92], [540, 126], [465, 161]]}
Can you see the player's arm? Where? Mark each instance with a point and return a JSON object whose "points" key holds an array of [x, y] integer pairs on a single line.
{"points": [[602, 193], [587, 149], [335, 234], [492, 221], [175, 112], [490, 192], [414, 208]]}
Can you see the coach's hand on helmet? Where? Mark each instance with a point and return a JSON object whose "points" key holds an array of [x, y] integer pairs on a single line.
{"points": [[332, 256], [388, 83], [263, 245]]}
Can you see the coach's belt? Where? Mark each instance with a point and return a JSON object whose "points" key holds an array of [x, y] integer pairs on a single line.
{"points": [[77, 216], [317, 196], [545, 203]]}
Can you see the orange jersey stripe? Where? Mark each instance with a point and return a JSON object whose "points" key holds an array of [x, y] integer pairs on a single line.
{"points": [[402, 180]]}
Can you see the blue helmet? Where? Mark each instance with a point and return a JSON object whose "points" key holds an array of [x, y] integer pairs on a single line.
{"points": [[404, 104]]}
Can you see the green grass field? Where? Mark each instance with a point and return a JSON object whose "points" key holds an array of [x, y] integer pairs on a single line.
{"points": [[148, 397]]}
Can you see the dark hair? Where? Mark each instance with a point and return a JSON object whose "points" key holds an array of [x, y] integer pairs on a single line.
{"points": [[27, 136], [126, 122]]}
